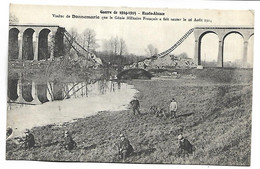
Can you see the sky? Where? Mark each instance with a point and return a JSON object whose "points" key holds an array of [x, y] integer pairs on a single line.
{"points": [[138, 34]]}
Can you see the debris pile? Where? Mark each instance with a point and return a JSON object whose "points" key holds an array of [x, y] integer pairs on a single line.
{"points": [[169, 61]]}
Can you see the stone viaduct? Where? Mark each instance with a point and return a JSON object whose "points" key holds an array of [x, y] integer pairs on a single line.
{"points": [[222, 32], [35, 42]]}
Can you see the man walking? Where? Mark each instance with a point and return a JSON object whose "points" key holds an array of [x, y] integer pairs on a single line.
{"points": [[135, 106]]}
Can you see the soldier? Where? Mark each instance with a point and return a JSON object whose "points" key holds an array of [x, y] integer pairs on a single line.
{"points": [[69, 143], [135, 106], [29, 141], [185, 146], [173, 108], [125, 148]]}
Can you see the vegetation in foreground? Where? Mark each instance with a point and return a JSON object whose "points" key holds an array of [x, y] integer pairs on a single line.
{"points": [[214, 117]]}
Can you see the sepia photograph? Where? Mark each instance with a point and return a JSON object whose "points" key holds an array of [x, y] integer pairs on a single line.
{"points": [[103, 84]]}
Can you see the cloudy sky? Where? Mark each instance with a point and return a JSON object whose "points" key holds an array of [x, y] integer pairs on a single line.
{"points": [[139, 33]]}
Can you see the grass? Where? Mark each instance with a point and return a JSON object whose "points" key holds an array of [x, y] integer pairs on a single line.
{"points": [[215, 117]]}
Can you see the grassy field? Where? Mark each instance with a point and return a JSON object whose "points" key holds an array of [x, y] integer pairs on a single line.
{"points": [[214, 115]]}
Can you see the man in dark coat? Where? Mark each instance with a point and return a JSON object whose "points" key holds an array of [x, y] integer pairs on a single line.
{"points": [[125, 148], [185, 146], [29, 141], [69, 143], [135, 106]]}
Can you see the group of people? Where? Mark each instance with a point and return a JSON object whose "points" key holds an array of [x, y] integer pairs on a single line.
{"points": [[135, 104], [125, 149], [28, 141], [185, 146]]}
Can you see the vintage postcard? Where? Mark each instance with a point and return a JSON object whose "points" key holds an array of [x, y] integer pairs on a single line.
{"points": [[130, 85]]}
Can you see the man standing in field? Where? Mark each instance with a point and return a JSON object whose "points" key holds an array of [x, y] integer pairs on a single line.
{"points": [[173, 108], [135, 106]]}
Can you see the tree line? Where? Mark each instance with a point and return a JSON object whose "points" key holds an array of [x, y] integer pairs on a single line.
{"points": [[112, 51]]}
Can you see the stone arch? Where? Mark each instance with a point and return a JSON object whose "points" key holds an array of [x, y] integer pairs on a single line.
{"points": [[28, 53], [222, 33], [250, 51], [27, 90], [230, 32], [233, 49], [207, 52], [13, 47], [43, 44], [12, 89], [57, 90], [252, 34], [201, 35], [42, 92], [206, 32]]}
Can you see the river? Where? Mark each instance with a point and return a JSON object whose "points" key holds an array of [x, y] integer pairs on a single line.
{"points": [[82, 100]]}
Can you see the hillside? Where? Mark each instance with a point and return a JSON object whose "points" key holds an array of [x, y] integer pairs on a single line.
{"points": [[214, 116]]}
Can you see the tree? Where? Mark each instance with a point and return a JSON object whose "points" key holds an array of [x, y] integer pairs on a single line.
{"points": [[115, 44], [122, 47], [74, 34], [111, 46], [13, 19], [105, 46], [89, 39], [151, 50], [114, 49], [183, 55], [68, 48]]}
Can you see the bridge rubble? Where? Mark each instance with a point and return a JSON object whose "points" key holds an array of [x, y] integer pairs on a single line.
{"points": [[222, 32], [169, 61]]}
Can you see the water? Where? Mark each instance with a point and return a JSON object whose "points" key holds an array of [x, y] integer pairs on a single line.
{"points": [[83, 99]]}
